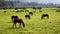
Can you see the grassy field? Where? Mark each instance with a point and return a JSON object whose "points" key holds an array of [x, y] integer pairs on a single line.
{"points": [[33, 26]]}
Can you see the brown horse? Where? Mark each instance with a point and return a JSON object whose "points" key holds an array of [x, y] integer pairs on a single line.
{"points": [[44, 15], [17, 20]]}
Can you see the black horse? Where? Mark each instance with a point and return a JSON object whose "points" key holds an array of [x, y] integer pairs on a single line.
{"points": [[30, 13], [44, 15], [17, 20], [12, 18], [27, 16], [5, 11]]}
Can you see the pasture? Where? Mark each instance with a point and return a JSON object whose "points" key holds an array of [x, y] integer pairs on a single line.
{"points": [[32, 26]]}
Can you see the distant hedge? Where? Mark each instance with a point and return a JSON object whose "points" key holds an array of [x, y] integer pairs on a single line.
{"points": [[58, 10]]}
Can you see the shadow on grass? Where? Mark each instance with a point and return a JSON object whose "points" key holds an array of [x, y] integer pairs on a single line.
{"points": [[27, 18], [1, 33], [50, 22], [9, 22], [13, 28], [26, 33]]}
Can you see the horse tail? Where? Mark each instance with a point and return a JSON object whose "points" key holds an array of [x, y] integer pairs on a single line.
{"points": [[23, 24], [48, 16]]}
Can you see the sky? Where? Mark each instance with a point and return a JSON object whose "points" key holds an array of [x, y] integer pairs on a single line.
{"points": [[41, 1]]}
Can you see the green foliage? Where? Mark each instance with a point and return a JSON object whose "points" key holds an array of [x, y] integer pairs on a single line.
{"points": [[58, 10]]}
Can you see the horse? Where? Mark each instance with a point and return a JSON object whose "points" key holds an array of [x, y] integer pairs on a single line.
{"points": [[27, 16], [31, 13], [17, 20], [26, 10], [12, 17], [44, 15], [40, 11], [5, 11]]}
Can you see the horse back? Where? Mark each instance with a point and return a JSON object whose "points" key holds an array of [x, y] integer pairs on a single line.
{"points": [[45, 15], [18, 20]]}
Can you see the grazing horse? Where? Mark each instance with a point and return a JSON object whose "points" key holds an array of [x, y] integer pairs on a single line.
{"points": [[40, 11], [26, 10], [14, 17], [5, 11], [44, 15], [17, 20], [31, 13], [27, 16], [17, 11]]}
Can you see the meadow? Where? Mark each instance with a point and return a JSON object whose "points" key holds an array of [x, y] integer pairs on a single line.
{"points": [[32, 26]]}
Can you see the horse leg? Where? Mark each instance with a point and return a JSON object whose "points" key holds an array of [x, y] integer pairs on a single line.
{"points": [[19, 25], [47, 17], [23, 24], [44, 18], [13, 25], [29, 18], [41, 17]]}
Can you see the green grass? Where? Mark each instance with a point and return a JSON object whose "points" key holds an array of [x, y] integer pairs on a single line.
{"points": [[33, 26]]}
